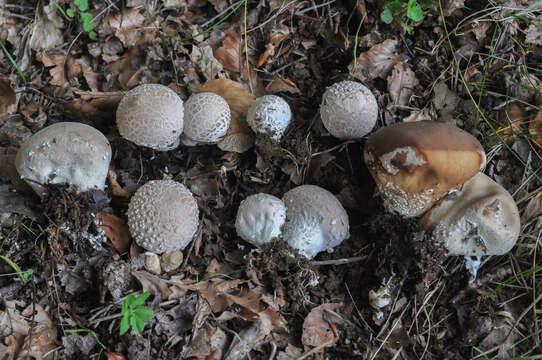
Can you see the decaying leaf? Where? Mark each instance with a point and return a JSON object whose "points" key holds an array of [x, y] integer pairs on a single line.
{"points": [[535, 129], [207, 342], [401, 83], [510, 121], [14, 202], [376, 62], [102, 104], [115, 230], [205, 60], [452, 5], [116, 189], [316, 330], [533, 209], [152, 283], [418, 115], [7, 97], [276, 37], [46, 33], [279, 84], [132, 21], [534, 33], [229, 54]]}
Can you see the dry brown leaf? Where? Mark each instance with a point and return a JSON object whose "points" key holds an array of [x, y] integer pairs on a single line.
{"points": [[480, 29], [401, 83], [278, 84], [418, 115], [132, 20], [116, 189], [533, 209], [90, 76], [206, 341], [114, 356], [510, 122], [534, 33], [276, 37], [316, 330], [56, 63], [376, 62], [452, 5], [43, 337], [205, 60], [115, 230], [46, 33], [290, 353], [229, 54], [535, 129], [102, 104], [7, 97], [152, 283]]}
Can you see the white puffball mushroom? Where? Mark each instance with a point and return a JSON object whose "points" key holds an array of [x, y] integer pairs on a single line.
{"points": [[151, 115], [163, 216], [269, 115], [479, 219], [260, 218], [207, 118], [67, 152], [315, 220], [349, 110]]}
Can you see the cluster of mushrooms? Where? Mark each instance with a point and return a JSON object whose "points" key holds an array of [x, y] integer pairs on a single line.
{"points": [[424, 169]]}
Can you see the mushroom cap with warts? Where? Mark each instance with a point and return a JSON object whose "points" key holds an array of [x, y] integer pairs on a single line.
{"points": [[207, 118], [269, 115]]}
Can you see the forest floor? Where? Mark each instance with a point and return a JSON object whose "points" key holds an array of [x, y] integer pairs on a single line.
{"points": [[68, 262]]}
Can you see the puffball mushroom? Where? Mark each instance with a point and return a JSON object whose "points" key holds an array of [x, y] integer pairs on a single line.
{"points": [[349, 110], [415, 164], [163, 216], [65, 152], [315, 220], [207, 118], [260, 218], [151, 115], [479, 219], [269, 115]]}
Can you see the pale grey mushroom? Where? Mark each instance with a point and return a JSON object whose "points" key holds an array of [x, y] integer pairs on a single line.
{"points": [[349, 110], [315, 220], [207, 119], [151, 115], [67, 152], [260, 218], [163, 216], [479, 219], [269, 115]]}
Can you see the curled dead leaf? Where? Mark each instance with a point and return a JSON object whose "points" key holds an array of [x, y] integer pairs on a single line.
{"points": [[229, 54], [316, 330], [115, 230], [279, 84], [116, 189], [102, 104], [376, 62], [401, 83], [131, 22]]}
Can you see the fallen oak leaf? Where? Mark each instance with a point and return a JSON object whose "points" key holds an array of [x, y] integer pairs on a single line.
{"points": [[102, 104], [376, 62], [401, 83], [316, 330], [229, 54], [115, 230], [153, 284]]}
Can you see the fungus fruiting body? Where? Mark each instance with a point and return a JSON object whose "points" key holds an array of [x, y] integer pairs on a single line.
{"points": [[260, 218], [151, 115], [207, 118], [163, 216], [415, 164], [349, 110], [479, 219], [65, 152], [315, 220], [269, 115]]}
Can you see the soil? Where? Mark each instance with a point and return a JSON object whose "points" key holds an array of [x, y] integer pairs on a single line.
{"points": [[226, 298]]}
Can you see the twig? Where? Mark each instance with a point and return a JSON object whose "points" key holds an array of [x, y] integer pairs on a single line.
{"points": [[338, 261], [316, 349], [313, 7]]}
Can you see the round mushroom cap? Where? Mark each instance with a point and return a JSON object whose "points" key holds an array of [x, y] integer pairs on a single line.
{"points": [[163, 216], [415, 164], [349, 110], [65, 152], [207, 118], [151, 115], [260, 218], [269, 115], [480, 219], [315, 220]]}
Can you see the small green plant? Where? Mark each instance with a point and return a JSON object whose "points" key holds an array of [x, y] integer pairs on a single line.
{"points": [[134, 314], [23, 275], [85, 17], [396, 8]]}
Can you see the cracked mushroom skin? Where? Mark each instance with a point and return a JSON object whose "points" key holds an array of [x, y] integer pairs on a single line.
{"points": [[349, 110], [207, 118], [67, 152], [151, 115], [260, 218], [479, 219], [163, 216], [269, 115], [315, 220], [415, 164]]}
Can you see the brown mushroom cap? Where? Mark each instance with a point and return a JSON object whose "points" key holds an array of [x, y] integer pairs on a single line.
{"points": [[480, 219], [415, 164]]}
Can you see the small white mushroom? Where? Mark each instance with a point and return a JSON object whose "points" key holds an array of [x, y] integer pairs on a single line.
{"points": [[269, 115], [65, 152], [349, 110], [163, 216], [479, 219], [151, 115], [260, 218], [207, 118], [315, 220]]}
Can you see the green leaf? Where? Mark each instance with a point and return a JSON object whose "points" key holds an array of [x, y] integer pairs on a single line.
{"points": [[129, 301], [143, 313], [81, 4], [92, 35], [137, 324], [415, 13], [394, 6], [124, 324], [88, 24], [70, 12], [410, 29], [141, 299], [386, 16]]}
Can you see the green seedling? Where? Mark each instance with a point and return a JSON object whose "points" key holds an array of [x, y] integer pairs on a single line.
{"points": [[406, 12], [81, 6], [134, 314], [23, 275], [93, 333]]}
